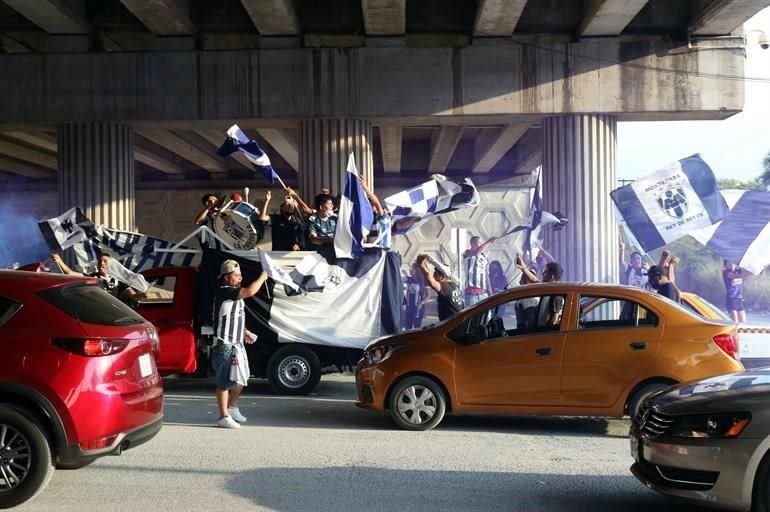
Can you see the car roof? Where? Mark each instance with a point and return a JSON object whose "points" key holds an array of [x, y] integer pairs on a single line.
{"points": [[584, 287], [38, 280]]}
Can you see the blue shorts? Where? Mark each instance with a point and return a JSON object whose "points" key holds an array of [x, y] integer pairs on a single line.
{"points": [[221, 361]]}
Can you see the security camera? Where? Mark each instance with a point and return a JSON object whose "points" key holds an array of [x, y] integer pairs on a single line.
{"points": [[764, 40]]}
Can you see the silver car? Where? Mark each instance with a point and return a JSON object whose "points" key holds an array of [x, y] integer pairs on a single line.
{"points": [[708, 441]]}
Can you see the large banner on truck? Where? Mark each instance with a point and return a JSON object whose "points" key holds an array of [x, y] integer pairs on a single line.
{"points": [[347, 303]]}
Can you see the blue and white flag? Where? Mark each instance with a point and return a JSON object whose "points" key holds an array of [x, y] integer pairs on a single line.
{"points": [[355, 216], [670, 203], [743, 236], [66, 230], [410, 208], [276, 272], [239, 141]]}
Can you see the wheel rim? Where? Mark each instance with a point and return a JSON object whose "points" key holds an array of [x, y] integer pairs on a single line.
{"points": [[15, 458], [294, 372], [417, 404]]}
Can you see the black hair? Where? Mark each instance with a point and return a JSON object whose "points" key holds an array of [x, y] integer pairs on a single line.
{"points": [[475, 237], [206, 196], [636, 252], [554, 269], [654, 271], [321, 199]]}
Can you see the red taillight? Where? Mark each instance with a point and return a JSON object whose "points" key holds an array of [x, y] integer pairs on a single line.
{"points": [[729, 344], [91, 347]]}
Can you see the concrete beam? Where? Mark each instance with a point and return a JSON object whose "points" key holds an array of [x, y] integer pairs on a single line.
{"points": [[494, 144], [12, 45], [391, 138], [53, 16], [721, 17], [42, 140], [10, 166], [608, 17], [156, 161], [27, 154], [384, 17], [162, 17], [284, 143], [497, 81], [498, 18], [273, 17], [442, 147], [177, 144]]}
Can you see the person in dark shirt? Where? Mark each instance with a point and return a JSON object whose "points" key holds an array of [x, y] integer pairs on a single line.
{"points": [[211, 205], [661, 282], [733, 278], [288, 227], [450, 297], [117, 289]]}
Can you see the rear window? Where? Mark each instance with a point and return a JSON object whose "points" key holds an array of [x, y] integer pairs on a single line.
{"points": [[91, 304], [8, 308]]}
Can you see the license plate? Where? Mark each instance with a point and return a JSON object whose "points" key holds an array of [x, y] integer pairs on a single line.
{"points": [[634, 448], [145, 365]]}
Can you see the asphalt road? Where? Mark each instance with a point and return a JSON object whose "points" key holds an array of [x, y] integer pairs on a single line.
{"points": [[320, 452]]}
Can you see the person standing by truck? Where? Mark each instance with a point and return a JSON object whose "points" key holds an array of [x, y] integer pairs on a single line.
{"points": [[230, 334]]}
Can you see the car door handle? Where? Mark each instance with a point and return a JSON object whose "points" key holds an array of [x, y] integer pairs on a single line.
{"points": [[544, 351], [638, 345]]}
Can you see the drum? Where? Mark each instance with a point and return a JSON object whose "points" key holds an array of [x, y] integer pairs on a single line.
{"points": [[238, 224]]}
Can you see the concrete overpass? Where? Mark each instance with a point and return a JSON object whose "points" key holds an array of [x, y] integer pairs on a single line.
{"points": [[104, 98]]}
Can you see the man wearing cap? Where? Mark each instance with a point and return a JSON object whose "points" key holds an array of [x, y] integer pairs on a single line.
{"points": [[450, 297], [230, 333]]}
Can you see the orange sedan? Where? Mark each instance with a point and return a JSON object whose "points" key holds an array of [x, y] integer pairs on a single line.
{"points": [[610, 348]]}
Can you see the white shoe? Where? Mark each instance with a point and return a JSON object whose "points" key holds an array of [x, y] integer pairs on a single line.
{"points": [[227, 422], [235, 414]]}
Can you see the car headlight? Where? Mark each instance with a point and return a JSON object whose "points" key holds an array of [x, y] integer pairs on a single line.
{"points": [[376, 355], [723, 425]]}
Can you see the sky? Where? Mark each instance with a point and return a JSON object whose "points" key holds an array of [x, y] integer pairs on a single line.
{"points": [[734, 147]]}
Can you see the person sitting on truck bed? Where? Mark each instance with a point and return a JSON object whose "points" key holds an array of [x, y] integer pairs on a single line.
{"points": [[288, 227], [117, 289], [230, 333]]}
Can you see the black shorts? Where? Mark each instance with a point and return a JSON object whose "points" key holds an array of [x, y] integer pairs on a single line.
{"points": [[735, 305]]}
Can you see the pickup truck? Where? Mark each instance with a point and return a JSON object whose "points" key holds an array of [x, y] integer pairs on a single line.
{"points": [[179, 304]]}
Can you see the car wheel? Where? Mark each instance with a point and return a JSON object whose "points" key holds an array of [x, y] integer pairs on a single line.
{"points": [[294, 370], [417, 403], [25, 459], [642, 394]]}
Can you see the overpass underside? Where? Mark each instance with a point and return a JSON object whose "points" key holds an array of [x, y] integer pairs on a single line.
{"points": [[99, 101]]}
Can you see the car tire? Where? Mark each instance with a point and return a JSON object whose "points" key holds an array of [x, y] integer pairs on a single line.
{"points": [[23, 439], [417, 403], [642, 394], [294, 370], [760, 495]]}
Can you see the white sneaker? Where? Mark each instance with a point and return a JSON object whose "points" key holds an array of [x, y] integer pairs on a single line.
{"points": [[235, 414], [227, 422]]}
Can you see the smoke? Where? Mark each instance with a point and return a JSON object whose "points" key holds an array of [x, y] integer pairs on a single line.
{"points": [[20, 239]]}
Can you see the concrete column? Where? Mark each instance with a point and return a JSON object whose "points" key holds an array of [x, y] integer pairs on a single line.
{"points": [[96, 172], [578, 175], [325, 145]]}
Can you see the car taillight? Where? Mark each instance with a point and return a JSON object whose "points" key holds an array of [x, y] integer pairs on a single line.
{"points": [[729, 344], [91, 347]]}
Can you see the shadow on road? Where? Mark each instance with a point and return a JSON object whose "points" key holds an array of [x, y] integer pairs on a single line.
{"points": [[370, 488], [332, 406]]}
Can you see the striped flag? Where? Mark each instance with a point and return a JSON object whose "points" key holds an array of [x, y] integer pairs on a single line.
{"points": [[239, 141], [743, 236], [670, 203], [355, 216]]}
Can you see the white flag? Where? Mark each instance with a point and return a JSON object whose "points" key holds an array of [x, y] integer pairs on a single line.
{"points": [[275, 271]]}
